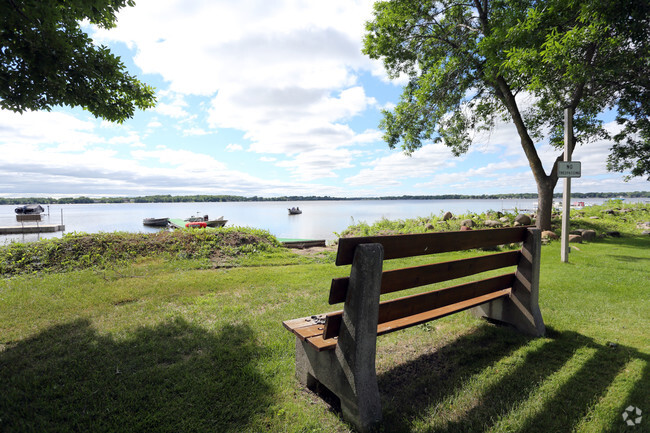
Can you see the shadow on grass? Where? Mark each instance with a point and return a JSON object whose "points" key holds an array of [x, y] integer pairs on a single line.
{"points": [[417, 389], [175, 377]]}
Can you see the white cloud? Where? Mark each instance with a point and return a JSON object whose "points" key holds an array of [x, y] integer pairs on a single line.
{"points": [[206, 46], [392, 169], [318, 163], [285, 73], [195, 132], [175, 110], [65, 131], [234, 147]]}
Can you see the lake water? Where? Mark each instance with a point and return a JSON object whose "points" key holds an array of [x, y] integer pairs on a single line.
{"points": [[319, 220]]}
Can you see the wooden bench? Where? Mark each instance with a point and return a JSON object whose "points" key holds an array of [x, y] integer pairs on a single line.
{"points": [[337, 349]]}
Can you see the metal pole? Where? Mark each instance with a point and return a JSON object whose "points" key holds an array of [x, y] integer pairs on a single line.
{"points": [[566, 196]]}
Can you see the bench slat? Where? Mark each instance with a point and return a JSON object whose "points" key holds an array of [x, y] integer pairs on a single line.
{"points": [[438, 313], [321, 343], [421, 302], [430, 243], [406, 278], [305, 327]]}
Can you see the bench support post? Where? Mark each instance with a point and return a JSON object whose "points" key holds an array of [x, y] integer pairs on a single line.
{"points": [[349, 370], [521, 309]]}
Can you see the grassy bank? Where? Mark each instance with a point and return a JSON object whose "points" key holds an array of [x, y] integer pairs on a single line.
{"points": [[181, 344]]}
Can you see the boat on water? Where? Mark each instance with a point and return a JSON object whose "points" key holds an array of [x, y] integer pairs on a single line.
{"points": [[294, 211], [557, 205], [219, 222], [30, 209], [197, 221], [155, 222]]}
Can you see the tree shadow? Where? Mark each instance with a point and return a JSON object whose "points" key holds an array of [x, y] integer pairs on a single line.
{"points": [[174, 377], [421, 386], [629, 259], [411, 388]]}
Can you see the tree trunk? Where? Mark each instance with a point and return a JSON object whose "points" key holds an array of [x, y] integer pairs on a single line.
{"points": [[544, 203]]}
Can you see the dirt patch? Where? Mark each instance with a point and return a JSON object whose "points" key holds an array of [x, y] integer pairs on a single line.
{"points": [[314, 251]]}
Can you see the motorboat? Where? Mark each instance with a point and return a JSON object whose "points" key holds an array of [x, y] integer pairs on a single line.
{"points": [[30, 209], [294, 211], [155, 222], [219, 222]]}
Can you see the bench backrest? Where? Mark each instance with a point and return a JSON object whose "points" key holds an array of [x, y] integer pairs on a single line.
{"points": [[411, 310]]}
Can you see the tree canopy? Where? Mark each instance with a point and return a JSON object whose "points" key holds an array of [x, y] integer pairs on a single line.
{"points": [[473, 62], [47, 60]]}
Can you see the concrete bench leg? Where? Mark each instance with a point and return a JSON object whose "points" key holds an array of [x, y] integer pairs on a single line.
{"points": [[349, 370], [521, 309]]}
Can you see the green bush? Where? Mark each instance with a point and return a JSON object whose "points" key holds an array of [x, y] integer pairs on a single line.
{"points": [[82, 250]]}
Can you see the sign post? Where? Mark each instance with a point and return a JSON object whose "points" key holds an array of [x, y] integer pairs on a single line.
{"points": [[566, 197]]}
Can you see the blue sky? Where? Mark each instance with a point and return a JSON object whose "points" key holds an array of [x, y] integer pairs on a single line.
{"points": [[257, 98]]}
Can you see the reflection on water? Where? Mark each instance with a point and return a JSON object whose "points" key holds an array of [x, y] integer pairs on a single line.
{"points": [[319, 220]]}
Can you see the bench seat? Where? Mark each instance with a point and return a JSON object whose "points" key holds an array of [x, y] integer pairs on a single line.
{"points": [[306, 328]]}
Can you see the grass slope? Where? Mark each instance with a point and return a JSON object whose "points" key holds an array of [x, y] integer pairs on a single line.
{"points": [[168, 345]]}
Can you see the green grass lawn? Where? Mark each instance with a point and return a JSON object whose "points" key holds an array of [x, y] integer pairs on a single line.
{"points": [[167, 346]]}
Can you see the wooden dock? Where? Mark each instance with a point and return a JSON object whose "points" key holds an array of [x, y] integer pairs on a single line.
{"points": [[302, 243], [32, 228]]}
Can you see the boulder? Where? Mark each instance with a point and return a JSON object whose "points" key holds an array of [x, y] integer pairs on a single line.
{"points": [[643, 225], [588, 235], [447, 216], [575, 239], [504, 219], [523, 219], [429, 227], [594, 218], [465, 228], [467, 223], [645, 232], [492, 223], [547, 234]]}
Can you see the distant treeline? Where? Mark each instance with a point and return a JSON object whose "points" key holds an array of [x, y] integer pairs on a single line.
{"points": [[222, 198]]}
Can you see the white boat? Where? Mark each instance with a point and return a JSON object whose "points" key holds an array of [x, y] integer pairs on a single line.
{"points": [[219, 222]]}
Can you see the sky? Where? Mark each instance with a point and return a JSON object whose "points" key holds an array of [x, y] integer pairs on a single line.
{"points": [[258, 98]]}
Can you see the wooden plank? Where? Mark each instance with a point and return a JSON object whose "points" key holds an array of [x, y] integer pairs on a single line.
{"points": [[398, 246], [309, 331], [297, 323], [320, 343], [406, 278], [422, 302], [333, 324], [417, 319]]}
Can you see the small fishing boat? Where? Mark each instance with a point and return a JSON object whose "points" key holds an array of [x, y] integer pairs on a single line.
{"points": [[294, 211], [219, 222], [30, 209], [155, 222]]}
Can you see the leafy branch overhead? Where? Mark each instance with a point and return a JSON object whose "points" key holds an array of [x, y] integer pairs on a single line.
{"points": [[471, 63], [47, 60]]}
